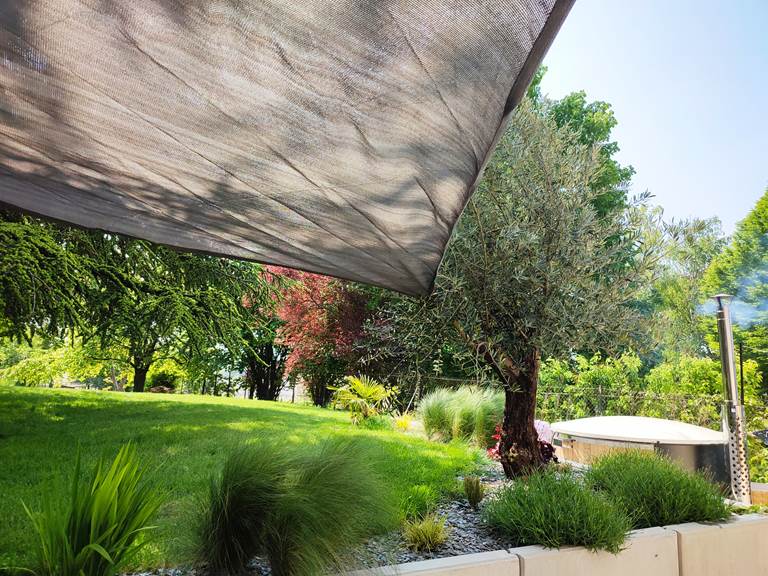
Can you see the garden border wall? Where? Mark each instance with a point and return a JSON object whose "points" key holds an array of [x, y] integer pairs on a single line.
{"points": [[739, 546]]}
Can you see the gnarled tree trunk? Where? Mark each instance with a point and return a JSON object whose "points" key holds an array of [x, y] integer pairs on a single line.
{"points": [[519, 450]]}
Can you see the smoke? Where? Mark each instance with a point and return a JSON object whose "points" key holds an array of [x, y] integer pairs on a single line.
{"points": [[749, 305]]}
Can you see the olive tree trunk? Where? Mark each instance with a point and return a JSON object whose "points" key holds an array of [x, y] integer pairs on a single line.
{"points": [[519, 449]]}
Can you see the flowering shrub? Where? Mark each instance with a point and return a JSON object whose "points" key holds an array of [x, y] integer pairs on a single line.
{"points": [[543, 430], [403, 422]]}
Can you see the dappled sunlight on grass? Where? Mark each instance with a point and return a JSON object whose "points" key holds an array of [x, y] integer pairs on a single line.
{"points": [[183, 439]]}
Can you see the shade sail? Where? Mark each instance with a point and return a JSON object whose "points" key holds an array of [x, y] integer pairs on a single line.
{"points": [[336, 136]]}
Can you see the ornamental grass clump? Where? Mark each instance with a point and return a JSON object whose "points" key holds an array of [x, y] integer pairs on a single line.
{"points": [[473, 490], [433, 410], [554, 509], [427, 533], [235, 515], [655, 491], [469, 413], [302, 508], [104, 524]]}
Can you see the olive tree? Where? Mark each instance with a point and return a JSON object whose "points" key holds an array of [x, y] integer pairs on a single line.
{"points": [[534, 271]]}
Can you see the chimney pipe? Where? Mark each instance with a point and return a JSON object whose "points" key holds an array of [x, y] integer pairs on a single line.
{"points": [[733, 411]]}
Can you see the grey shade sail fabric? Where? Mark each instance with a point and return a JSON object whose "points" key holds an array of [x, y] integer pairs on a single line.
{"points": [[336, 136]]}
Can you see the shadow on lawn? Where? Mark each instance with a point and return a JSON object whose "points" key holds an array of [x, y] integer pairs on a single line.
{"points": [[184, 442], [170, 432]]}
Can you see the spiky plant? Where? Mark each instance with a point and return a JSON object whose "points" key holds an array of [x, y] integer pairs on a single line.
{"points": [[364, 397], [655, 491], [104, 523], [473, 490], [554, 509], [427, 533]]}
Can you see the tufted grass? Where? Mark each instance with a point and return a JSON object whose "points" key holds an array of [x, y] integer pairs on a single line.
{"points": [[655, 491], [555, 509]]}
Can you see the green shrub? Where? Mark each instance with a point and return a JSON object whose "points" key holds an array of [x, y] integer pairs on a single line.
{"points": [[585, 386], [758, 452], [692, 390], [420, 500], [104, 523], [469, 413], [427, 533], [758, 460], [473, 490], [433, 410], [655, 491], [164, 378], [301, 508], [364, 397], [555, 509]]}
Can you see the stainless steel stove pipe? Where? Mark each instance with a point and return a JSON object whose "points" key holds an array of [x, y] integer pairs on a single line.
{"points": [[734, 420]]}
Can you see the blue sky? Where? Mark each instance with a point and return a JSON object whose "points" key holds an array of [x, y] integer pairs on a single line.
{"points": [[688, 81]]}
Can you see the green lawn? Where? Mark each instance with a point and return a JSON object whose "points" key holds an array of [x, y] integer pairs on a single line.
{"points": [[183, 439]]}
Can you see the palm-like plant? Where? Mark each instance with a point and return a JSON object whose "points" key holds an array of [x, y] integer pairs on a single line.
{"points": [[362, 396]]}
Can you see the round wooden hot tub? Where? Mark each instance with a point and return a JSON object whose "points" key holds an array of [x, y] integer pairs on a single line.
{"points": [[694, 447]]}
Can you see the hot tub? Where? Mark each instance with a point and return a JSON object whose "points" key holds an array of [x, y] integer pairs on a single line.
{"points": [[694, 447]]}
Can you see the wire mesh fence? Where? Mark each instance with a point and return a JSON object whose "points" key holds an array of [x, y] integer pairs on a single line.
{"points": [[702, 410], [578, 401]]}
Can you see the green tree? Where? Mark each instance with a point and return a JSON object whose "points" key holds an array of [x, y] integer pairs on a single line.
{"points": [[51, 361], [140, 302], [532, 270], [592, 123], [264, 362], [42, 283], [741, 270], [676, 296], [153, 302]]}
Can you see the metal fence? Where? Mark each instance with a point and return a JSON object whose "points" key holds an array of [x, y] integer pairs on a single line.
{"points": [[702, 410], [573, 401]]}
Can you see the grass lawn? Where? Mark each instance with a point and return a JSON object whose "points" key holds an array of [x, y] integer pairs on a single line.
{"points": [[184, 439]]}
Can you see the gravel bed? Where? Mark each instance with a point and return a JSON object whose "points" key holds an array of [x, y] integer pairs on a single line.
{"points": [[467, 535]]}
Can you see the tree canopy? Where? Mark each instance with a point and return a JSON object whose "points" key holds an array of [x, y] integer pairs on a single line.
{"points": [[138, 301], [533, 270], [592, 123], [741, 270]]}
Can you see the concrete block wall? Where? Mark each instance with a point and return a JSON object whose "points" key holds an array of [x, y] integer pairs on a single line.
{"points": [[651, 551], [737, 547]]}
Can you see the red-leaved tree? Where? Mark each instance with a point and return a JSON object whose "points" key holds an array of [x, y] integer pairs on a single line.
{"points": [[323, 321]]}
